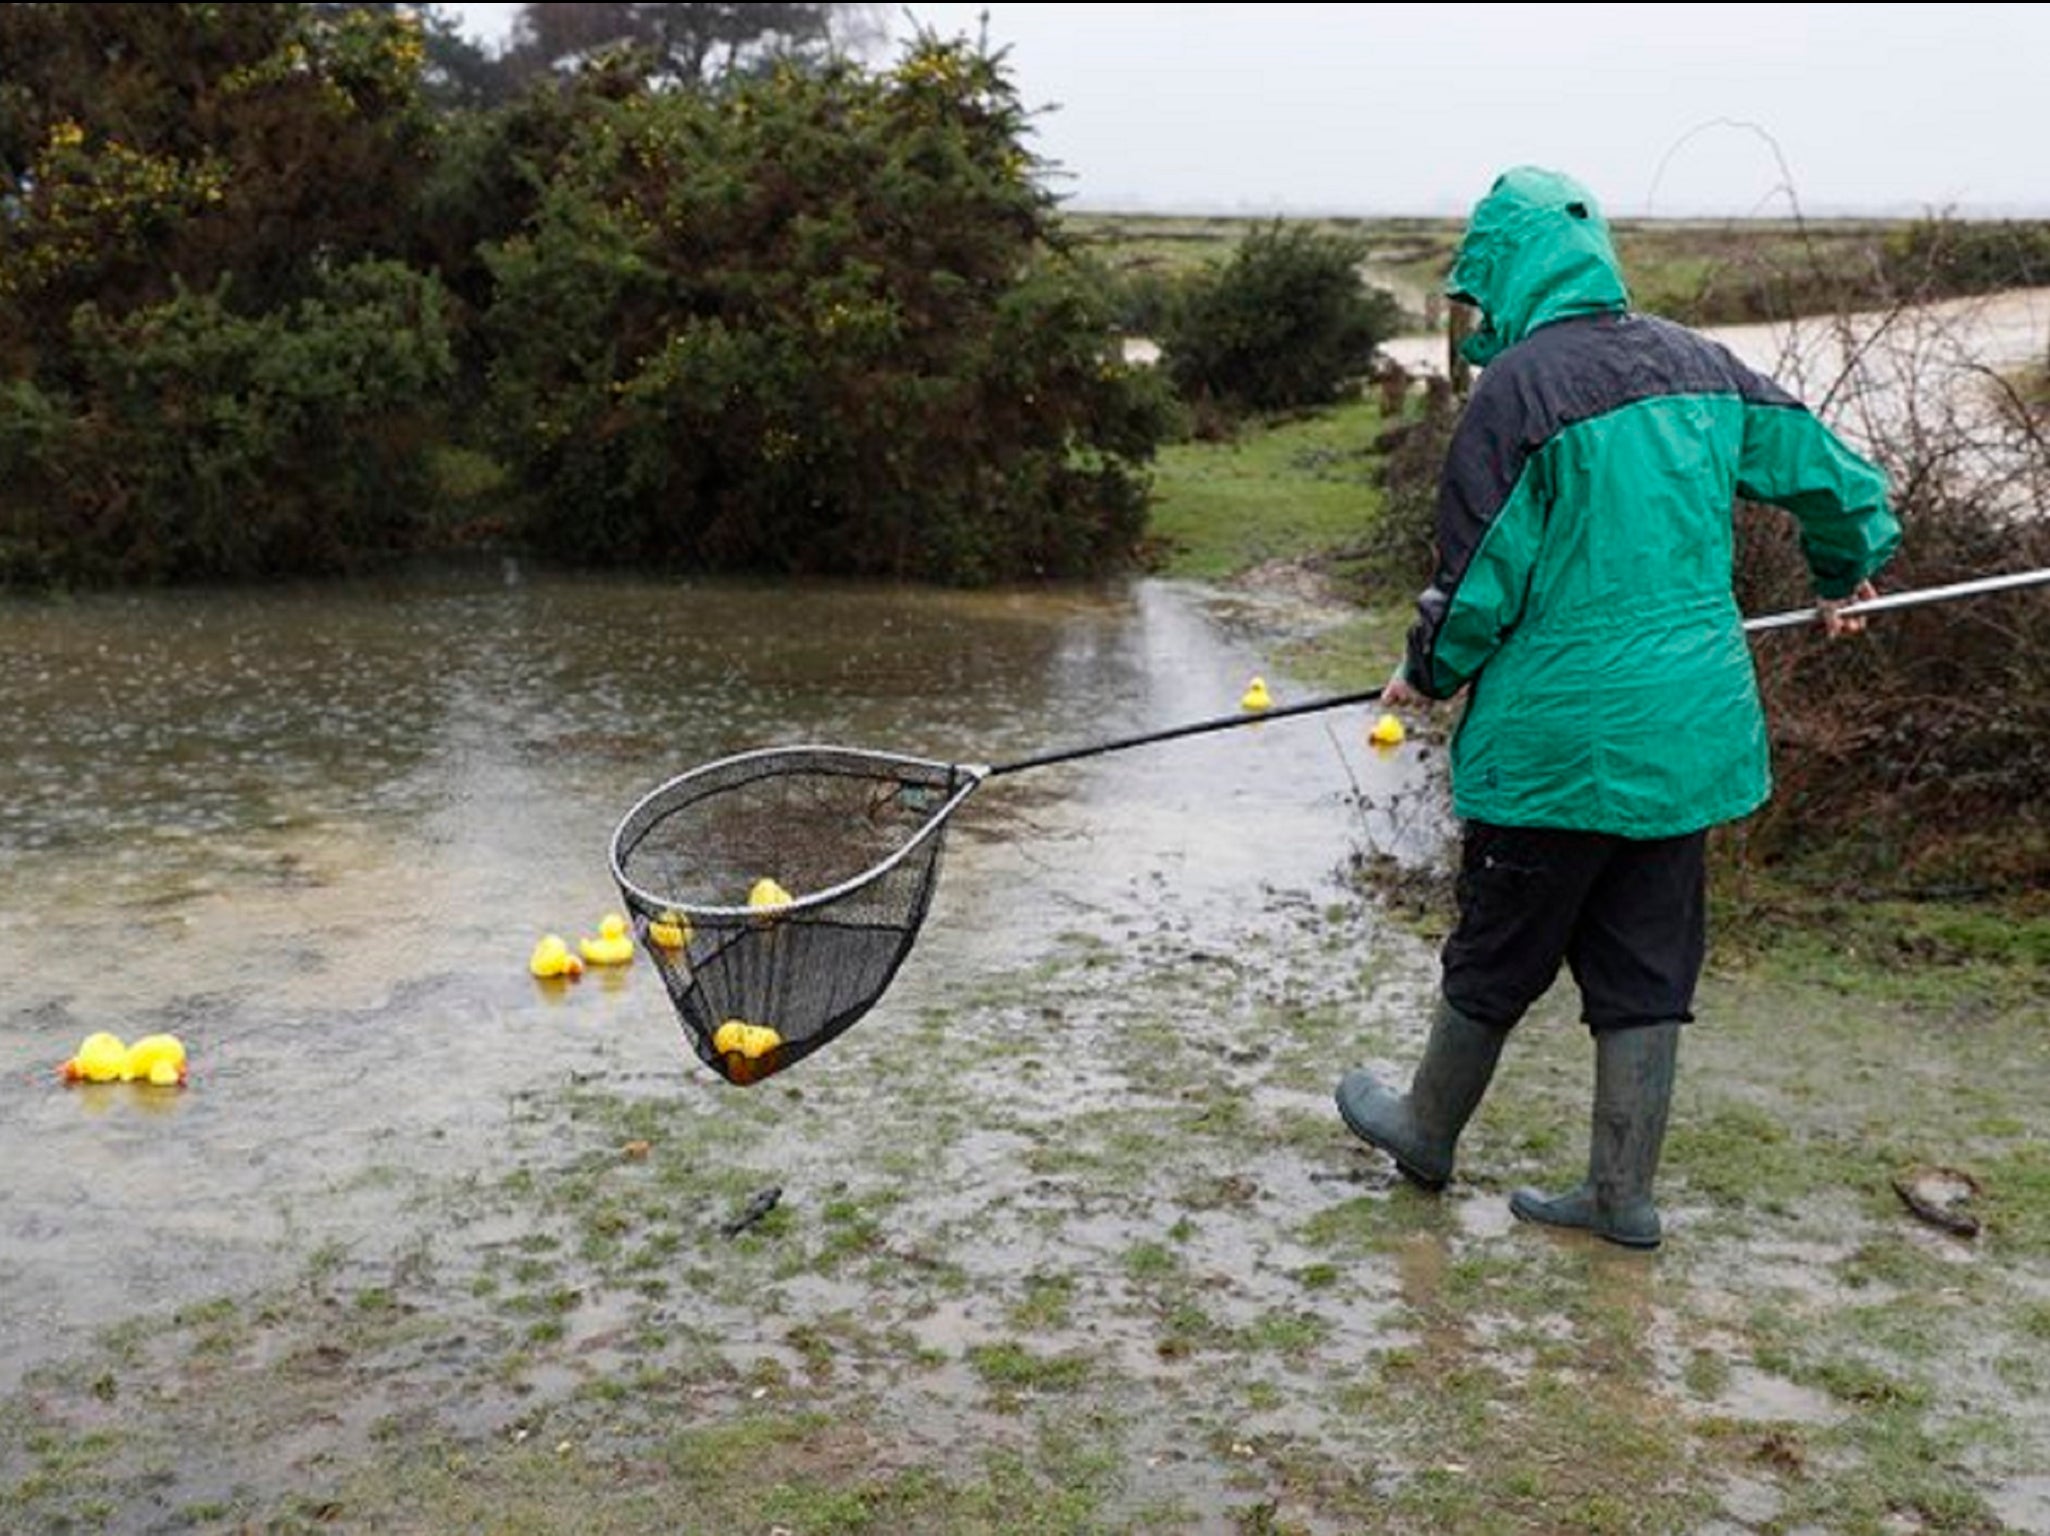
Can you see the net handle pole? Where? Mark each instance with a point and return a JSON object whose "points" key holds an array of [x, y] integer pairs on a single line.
{"points": [[1193, 728], [1793, 616], [1911, 599]]}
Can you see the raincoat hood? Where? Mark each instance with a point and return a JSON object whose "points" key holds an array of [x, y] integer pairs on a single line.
{"points": [[1536, 250]]}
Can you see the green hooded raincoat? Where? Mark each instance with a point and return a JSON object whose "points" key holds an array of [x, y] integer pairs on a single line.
{"points": [[1585, 538]]}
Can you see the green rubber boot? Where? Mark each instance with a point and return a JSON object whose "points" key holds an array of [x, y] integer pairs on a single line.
{"points": [[1420, 1129], [1633, 1088]]}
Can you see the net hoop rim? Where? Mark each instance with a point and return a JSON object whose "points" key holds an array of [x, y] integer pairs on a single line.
{"points": [[974, 775]]}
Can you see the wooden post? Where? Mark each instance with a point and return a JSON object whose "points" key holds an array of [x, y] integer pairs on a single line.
{"points": [[1394, 382], [1457, 368]]}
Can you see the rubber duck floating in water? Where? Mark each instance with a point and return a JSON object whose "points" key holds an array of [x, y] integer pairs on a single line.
{"points": [[546, 960], [669, 931], [1256, 695], [552, 958], [613, 946], [1387, 732], [155, 1059], [100, 1059], [767, 893]]}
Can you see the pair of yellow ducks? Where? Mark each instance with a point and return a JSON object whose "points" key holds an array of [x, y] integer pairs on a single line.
{"points": [[613, 946], [154, 1059], [1385, 732]]}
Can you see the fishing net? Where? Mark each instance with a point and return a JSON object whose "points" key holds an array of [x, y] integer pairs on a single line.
{"points": [[778, 892]]}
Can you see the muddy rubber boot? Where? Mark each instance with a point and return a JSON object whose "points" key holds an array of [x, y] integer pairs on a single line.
{"points": [[1633, 1087], [1420, 1129]]}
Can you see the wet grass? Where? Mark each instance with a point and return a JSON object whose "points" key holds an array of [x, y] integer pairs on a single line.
{"points": [[1286, 489]]}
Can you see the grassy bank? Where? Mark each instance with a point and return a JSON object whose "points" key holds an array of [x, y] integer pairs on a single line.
{"points": [[1299, 489], [1288, 499]]}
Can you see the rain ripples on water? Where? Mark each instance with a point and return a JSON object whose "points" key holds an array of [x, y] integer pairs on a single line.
{"points": [[315, 830]]}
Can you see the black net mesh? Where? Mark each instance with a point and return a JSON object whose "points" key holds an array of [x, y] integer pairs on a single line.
{"points": [[851, 838]]}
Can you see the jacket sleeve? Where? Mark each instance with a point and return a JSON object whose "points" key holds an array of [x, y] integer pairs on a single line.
{"points": [[1838, 499], [1490, 525]]}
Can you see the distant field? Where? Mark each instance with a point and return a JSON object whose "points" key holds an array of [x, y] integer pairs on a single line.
{"points": [[1700, 270]]}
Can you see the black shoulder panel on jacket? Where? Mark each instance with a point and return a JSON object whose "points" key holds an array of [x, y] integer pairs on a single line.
{"points": [[1570, 372], [1561, 374]]}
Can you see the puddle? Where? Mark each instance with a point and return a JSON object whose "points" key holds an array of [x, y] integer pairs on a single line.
{"points": [[321, 838]]}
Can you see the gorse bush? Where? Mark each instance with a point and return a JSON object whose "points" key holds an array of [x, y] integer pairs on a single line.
{"points": [[810, 321], [1950, 256], [1285, 322], [147, 147], [818, 322], [192, 441], [209, 363]]}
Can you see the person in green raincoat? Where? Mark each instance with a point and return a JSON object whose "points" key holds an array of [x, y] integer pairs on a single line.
{"points": [[1583, 603]]}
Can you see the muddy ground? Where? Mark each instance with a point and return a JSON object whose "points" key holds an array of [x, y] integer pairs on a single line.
{"points": [[1079, 1244]]}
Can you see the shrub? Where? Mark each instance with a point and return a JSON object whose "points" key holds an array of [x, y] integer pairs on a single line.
{"points": [[147, 146], [1401, 548], [1285, 322], [1950, 256], [1917, 756], [192, 441], [210, 367], [816, 323]]}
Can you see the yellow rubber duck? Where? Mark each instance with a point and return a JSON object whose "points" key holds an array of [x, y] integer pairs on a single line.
{"points": [[727, 1037], [671, 931], [1256, 695], [155, 1059], [551, 957], [749, 1040], [746, 1047], [767, 893], [613, 946], [1387, 732], [101, 1058]]}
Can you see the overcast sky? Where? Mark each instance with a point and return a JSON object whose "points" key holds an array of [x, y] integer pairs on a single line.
{"points": [[1661, 109]]}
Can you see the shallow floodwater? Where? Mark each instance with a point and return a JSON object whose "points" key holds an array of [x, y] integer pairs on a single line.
{"points": [[316, 830]]}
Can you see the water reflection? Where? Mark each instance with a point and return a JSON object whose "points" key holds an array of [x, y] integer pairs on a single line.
{"points": [[316, 830]]}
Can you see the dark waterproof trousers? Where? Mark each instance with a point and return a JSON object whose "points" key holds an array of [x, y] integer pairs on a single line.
{"points": [[1628, 915]]}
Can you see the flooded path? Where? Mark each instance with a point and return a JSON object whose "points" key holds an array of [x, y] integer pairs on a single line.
{"points": [[315, 831]]}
